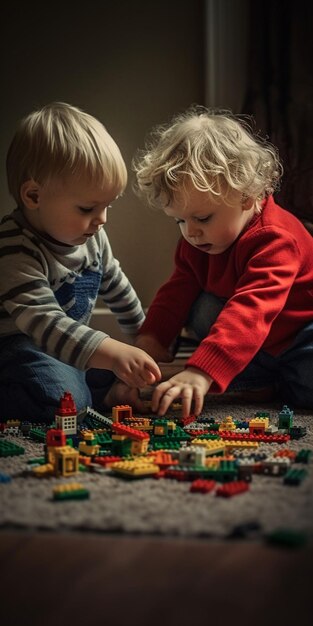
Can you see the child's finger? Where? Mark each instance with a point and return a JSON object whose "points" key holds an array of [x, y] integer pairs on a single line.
{"points": [[186, 398], [198, 402], [168, 397], [158, 393], [154, 369]]}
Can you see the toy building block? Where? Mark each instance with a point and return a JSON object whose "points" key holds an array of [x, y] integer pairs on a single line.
{"points": [[247, 437], [107, 460], [139, 440], [285, 418], [232, 489], [295, 476], [5, 478], [168, 445], [303, 456], [230, 445], [55, 437], [121, 412], [160, 427], [162, 459], [70, 491], [287, 537], [37, 434], [192, 455], [66, 414], [9, 430], [263, 414], [290, 454], [200, 485], [132, 433], [181, 473], [226, 472], [41, 471], [258, 425], [296, 432], [89, 445], [135, 468], [184, 421], [276, 466], [7, 448], [227, 424], [140, 423], [64, 459], [92, 419], [211, 447], [245, 470]]}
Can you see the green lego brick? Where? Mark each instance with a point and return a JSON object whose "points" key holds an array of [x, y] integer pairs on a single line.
{"points": [[7, 448], [73, 494], [295, 476], [303, 456], [287, 537], [37, 435], [37, 461]]}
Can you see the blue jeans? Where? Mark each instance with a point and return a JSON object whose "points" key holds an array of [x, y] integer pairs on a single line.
{"points": [[32, 382], [291, 372]]}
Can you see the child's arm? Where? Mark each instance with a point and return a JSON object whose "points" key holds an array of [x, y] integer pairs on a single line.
{"points": [[150, 344], [191, 385], [132, 365]]}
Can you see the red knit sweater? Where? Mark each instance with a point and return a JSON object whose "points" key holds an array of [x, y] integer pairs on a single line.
{"points": [[266, 276]]}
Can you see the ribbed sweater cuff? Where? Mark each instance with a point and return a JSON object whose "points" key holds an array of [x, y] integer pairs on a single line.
{"points": [[212, 362]]}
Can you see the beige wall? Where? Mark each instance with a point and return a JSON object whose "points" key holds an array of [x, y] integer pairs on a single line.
{"points": [[129, 63]]}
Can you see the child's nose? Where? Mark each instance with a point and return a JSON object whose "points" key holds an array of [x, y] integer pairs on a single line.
{"points": [[101, 217], [192, 229]]}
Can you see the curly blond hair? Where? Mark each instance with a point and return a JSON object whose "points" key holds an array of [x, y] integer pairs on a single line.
{"points": [[210, 147], [61, 140]]}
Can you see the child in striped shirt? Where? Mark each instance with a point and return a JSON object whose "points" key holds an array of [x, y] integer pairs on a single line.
{"points": [[64, 171]]}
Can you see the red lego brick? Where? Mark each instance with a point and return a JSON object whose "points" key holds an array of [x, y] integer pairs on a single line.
{"points": [[133, 433], [202, 486], [232, 489], [107, 460]]}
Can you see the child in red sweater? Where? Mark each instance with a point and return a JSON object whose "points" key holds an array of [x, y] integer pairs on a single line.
{"points": [[243, 278]]}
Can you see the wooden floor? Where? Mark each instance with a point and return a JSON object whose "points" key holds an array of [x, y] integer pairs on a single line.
{"points": [[75, 579]]}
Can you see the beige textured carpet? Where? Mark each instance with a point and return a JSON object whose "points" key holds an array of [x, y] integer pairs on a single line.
{"points": [[163, 507]]}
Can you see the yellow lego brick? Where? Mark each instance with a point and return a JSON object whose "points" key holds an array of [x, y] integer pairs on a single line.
{"points": [[159, 430], [43, 470], [212, 446], [240, 444], [227, 424], [67, 487], [135, 468], [87, 449], [259, 422], [213, 461], [13, 423]]}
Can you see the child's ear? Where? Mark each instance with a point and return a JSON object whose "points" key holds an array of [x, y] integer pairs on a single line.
{"points": [[247, 203], [30, 194]]}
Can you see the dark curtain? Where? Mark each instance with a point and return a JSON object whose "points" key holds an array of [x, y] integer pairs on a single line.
{"points": [[280, 93]]}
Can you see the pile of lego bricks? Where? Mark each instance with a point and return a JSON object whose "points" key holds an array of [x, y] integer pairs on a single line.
{"points": [[192, 463]]}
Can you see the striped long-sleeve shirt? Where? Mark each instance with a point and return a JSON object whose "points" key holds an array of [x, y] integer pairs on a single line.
{"points": [[49, 290]]}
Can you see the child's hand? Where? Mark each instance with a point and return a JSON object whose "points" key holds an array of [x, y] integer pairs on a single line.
{"points": [[151, 345], [132, 365], [191, 385]]}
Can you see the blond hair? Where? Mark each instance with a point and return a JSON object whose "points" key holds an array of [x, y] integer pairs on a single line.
{"points": [[210, 147], [60, 140]]}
